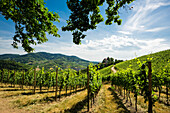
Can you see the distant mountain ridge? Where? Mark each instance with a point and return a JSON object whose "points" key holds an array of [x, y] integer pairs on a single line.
{"points": [[48, 60]]}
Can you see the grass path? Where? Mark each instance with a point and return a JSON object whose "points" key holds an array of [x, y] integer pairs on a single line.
{"points": [[113, 69], [108, 102], [73, 104], [22, 101], [7, 107]]}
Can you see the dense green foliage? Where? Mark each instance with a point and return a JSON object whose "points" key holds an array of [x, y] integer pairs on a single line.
{"points": [[12, 65], [137, 81], [32, 21], [66, 78], [48, 60], [159, 61], [94, 83], [106, 73], [133, 75], [109, 61], [95, 80], [85, 15]]}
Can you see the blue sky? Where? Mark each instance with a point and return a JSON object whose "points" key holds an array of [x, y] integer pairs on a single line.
{"points": [[145, 29]]}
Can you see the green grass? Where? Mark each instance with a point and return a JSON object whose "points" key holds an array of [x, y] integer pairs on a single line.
{"points": [[106, 72], [159, 61]]}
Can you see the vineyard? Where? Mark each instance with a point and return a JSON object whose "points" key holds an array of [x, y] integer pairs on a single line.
{"points": [[133, 77], [140, 88], [63, 82]]}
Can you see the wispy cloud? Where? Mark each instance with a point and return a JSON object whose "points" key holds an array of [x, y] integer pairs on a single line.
{"points": [[144, 30], [95, 50], [4, 32], [142, 17], [125, 32], [156, 29], [6, 47], [116, 42], [122, 47]]}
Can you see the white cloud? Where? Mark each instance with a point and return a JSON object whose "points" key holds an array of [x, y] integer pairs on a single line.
{"points": [[122, 47], [96, 50], [156, 29], [145, 17], [6, 47], [142, 17], [125, 32], [6, 32], [116, 42]]}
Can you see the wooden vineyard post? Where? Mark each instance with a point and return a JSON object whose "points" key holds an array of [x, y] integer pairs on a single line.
{"points": [[2, 76], [34, 80], [136, 99], [67, 82], [8, 76], [56, 84], [14, 78], [23, 79], [88, 89], [167, 95], [150, 87]]}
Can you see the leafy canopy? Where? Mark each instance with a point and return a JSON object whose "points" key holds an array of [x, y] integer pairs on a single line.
{"points": [[32, 20], [85, 15]]}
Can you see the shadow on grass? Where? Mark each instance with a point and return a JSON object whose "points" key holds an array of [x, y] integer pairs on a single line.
{"points": [[119, 101], [164, 102], [52, 98], [31, 93], [6, 86], [47, 99], [77, 107], [42, 92], [13, 90]]}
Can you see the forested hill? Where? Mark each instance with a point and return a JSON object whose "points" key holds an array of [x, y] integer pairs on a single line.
{"points": [[159, 60], [48, 60]]}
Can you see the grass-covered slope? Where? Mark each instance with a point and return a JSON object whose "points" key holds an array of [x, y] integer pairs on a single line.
{"points": [[159, 60], [12, 65], [106, 72], [48, 60]]}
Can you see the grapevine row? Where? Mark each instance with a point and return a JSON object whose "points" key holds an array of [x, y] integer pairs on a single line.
{"points": [[60, 80], [138, 81], [67, 79]]}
